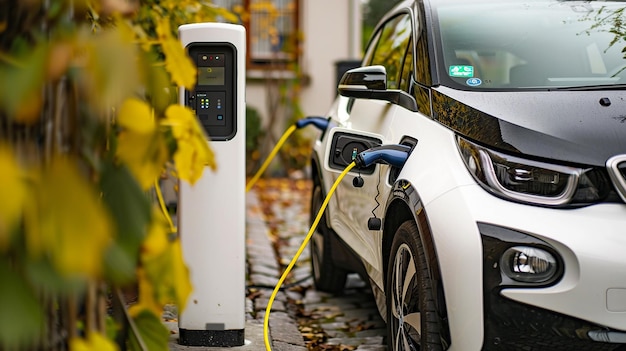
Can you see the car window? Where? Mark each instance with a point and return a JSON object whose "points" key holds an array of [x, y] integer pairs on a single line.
{"points": [[369, 52], [422, 55], [406, 75], [537, 44], [391, 48]]}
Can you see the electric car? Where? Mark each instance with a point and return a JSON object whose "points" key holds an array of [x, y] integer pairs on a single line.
{"points": [[486, 207]]}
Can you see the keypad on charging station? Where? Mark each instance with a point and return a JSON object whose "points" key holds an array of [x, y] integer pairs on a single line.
{"points": [[210, 107]]}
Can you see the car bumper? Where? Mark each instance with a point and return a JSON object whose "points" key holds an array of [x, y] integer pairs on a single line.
{"points": [[510, 325], [590, 295]]}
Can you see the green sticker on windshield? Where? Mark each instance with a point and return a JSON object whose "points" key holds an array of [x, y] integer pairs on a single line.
{"points": [[461, 71]]}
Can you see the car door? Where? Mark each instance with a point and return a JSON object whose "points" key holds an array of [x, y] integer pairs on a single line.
{"points": [[391, 47]]}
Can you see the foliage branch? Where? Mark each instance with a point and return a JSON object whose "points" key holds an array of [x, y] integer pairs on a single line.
{"points": [[89, 122]]}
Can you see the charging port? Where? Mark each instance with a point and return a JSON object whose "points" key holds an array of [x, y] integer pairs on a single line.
{"points": [[345, 147]]}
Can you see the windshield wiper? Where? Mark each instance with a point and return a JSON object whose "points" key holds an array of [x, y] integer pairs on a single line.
{"points": [[593, 87]]}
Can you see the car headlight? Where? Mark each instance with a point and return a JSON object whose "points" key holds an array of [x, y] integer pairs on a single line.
{"points": [[534, 182]]}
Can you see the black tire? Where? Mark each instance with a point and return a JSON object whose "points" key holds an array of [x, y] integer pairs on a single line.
{"points": [[327, 276], [411, 317]]}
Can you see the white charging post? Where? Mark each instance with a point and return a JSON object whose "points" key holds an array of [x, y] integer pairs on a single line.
{"points": [[211, 213]]}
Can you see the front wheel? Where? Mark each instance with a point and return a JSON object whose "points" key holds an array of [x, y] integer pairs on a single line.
{"points": [[411, 317]]}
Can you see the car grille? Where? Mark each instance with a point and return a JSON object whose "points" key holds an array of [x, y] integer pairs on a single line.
{"points": [[617, 170]]}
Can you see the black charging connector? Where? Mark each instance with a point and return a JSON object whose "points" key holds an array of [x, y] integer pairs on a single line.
{"points": [[393, 154]]}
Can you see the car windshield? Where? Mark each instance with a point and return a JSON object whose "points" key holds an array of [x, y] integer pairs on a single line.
{"points": [[531, 44]]}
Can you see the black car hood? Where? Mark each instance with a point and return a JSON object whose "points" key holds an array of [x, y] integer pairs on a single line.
{"points": [[571, 126]]}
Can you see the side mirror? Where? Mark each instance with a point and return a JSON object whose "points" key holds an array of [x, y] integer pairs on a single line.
{"points": [[363, 80], [370, 82]]}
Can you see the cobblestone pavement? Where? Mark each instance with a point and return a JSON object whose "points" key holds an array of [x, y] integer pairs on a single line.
{"points": [[301, 318]]}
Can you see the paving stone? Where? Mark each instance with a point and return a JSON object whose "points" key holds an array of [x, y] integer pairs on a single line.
{"points": [[261, 303], [350, 319], [260, 250], [293, 295], [283, 329], [336, 334], [314, 296], [302, 274], [282, 346], [263, 261], [263, 280], [367, 347], [264, 270], [335, 326], [249, 306], [372, 333], [360, 314]]}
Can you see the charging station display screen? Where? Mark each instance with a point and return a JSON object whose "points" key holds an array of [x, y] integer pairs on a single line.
{"points": [[211, 69], [213, 97], [211, 75]]}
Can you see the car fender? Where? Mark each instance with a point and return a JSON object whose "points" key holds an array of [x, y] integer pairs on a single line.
{"points": [[404, 204]]}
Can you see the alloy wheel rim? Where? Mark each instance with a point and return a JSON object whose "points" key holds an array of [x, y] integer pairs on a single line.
{"points": [[406, 317]]}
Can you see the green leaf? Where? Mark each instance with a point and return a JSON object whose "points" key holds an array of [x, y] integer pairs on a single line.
{"points": [[22, 317], [120, 266], [152, 331], [129, 205], [159, 89], [43, 276], [111, 327], [20, 87]]}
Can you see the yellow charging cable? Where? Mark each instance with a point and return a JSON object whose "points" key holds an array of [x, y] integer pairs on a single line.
{"points": [[249, 186], [269, 159], [157, 187], [266, 319]]}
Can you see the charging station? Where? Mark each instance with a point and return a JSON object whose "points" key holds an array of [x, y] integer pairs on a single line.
{"points": [[211, 213]]}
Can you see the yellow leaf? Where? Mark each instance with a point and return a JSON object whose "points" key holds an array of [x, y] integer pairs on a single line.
{"points": [[188, 160], [107, 74], [193, 152], [144, 154], [163, 276], [67, 221], [156, 241], [94, 341], [177, 62], [14, 193], [147, 299], [228, 16], [182, 121], [139, 146], [180, 275], [136, 115]]}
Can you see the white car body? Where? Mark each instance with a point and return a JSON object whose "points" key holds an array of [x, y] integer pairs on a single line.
{"points": [[590, 240]]}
